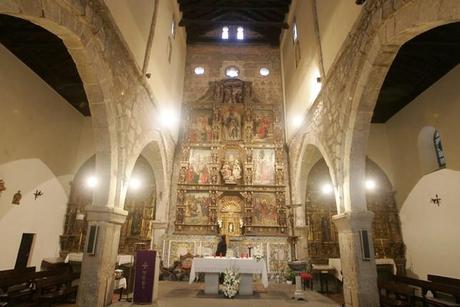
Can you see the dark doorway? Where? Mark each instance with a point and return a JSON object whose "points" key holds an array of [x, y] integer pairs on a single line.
{"points": [[24, 250]]}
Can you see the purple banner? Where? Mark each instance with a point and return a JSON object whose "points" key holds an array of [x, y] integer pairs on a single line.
{"points": [[145, 272]]}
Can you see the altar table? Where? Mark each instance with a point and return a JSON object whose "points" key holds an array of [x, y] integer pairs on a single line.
{"points": [[213, 266]]}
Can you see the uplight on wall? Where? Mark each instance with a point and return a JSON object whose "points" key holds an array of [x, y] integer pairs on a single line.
{"points": [[135, 183], [92, 182], [297, 121], [370, 184], [327, 188], [169, 118]]}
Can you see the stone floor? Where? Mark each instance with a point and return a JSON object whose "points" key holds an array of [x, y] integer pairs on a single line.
{"points": [[181, 294]]}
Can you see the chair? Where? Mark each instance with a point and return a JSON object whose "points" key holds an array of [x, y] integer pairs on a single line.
{"points": [[307, 276], [185, 265]]}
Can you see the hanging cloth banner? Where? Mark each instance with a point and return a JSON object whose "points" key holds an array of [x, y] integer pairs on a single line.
{"points": [[144, 278]]}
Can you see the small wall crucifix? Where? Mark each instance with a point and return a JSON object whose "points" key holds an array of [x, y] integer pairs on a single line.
{"points": [[436, 200]]}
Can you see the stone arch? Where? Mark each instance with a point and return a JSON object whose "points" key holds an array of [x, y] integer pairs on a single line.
{"points": [[86, 46], [398, 25], [154, 149], [311, 151]]}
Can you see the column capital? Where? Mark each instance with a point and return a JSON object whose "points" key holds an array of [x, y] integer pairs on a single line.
{"points": [[353, 221], [106, 214]]}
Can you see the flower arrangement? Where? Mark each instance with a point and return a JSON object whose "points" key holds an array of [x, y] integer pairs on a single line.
{"points": [[231, 283], [258, 257]]}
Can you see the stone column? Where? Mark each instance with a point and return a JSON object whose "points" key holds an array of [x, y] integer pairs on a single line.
{"points": [[359, 276], [96, 281]]}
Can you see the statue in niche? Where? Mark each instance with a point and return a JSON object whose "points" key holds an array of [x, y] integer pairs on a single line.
{"points": [[2, 186], [233, 94], [325, 230], [249, 155], [248, 176], [17, 198], [282, 218], [214, 175], [216, 132], [185, 152], [231, 171], [180, 216], [180, 196], [279, 176], [182, 174]]}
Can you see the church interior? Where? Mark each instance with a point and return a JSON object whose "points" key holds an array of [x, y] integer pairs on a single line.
{"points": [[184, 152]]}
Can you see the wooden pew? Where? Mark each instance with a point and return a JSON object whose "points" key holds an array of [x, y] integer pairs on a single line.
{"points": [[449, 281], [394, 294], [22, 287], [433, 287], [13, 272], [54, 288]]}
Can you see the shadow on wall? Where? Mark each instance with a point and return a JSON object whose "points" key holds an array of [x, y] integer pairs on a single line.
{"points": [[43, 216]]}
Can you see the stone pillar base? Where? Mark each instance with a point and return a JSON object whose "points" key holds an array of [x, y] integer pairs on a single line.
{"points": [[359, 275], [96, 280]]}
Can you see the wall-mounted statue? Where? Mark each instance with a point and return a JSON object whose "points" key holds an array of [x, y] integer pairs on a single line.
{"points": [[17, 198]]}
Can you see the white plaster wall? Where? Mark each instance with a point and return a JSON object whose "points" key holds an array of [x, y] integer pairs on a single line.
{"points": [[378, 149], [431, 232], [40, 136], [133, 18], [335, 19], [439, 107]]}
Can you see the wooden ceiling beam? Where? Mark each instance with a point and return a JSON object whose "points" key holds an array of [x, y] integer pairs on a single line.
{"points": [[190, 22]]}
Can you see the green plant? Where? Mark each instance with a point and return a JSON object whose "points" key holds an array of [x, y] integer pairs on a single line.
{"points": [[290, 275]]}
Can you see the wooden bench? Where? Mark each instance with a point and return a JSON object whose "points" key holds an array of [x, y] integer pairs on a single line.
{"points": [[21, 287], [393, 294], [433, 287], [55, 288], [448, 281]]}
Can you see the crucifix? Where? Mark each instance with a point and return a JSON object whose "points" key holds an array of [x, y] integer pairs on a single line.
{"points": [[436, 200]]}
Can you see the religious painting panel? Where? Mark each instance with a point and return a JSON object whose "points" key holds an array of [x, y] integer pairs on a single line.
{"points": [[198, 171], [179, 248], [200, 130], [278, 255], [232, 170], [232, 123], [264, 166], [265, 209], [233, 92], [263, 126], [197, 208]]}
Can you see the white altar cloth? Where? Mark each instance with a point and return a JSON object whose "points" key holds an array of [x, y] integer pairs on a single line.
{"points": [[337, 264], [78, 257], [219, 265]]}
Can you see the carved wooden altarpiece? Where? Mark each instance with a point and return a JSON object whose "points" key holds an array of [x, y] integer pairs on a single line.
{"points": [[232, 164]]}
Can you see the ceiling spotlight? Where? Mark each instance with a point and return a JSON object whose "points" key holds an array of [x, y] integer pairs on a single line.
{"points": [[148, 75], [327, 188], [370, 184], [135, 183], [92, 182]]}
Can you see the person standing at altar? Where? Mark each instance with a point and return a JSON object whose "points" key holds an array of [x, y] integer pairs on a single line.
{"points": [[222, 247]]}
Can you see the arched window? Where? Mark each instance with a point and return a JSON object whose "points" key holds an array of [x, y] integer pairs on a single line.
{"points": [[240, 33], [438, 149], [430, 150], [225, 33]]}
